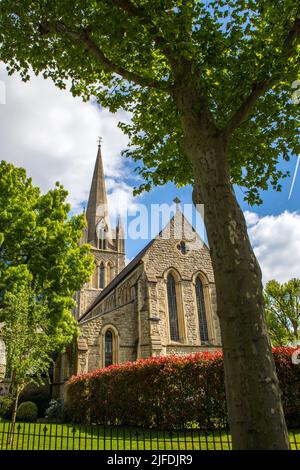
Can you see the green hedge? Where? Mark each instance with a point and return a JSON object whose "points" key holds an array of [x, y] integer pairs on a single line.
{"points": [[27, 411], [169, 392]]}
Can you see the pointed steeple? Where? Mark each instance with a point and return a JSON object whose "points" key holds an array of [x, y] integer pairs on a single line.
{"points": [[97, 211], [120, 229], [83, 238], [120, 235], [120, 244]]}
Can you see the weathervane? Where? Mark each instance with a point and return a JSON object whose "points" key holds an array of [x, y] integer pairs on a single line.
{"points": [[100, 140]]}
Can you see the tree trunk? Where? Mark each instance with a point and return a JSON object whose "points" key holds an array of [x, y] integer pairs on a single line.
{"points": [[295, 329], [255, 411], [13, 418]]}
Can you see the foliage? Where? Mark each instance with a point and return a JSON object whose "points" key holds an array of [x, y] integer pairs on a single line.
{"points": [[6, 406], [27, 337], [55, 413], [169, 392], [289, 378], [39, 243], [208, 88], [240, 55], [39, 394], [27, 411], [283, 311]]}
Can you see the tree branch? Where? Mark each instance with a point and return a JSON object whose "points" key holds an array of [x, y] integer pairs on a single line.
{"points": [[259, 89], [84, 38], [146, 20], [138, 12]]}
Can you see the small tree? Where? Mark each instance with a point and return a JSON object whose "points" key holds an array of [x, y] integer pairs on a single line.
{"points": [[38, 234], [283, 311], [26, 336]]}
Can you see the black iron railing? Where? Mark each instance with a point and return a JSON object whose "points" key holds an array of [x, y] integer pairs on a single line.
{"points": [[41, 436]]}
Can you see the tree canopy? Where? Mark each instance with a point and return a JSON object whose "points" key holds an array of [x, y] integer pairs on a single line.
{"points": [[243, 56], [283, 311], [208, 85], [39, 244]]}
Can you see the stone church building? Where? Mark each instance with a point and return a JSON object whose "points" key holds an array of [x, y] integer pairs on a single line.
{"points": [[162, 302]]}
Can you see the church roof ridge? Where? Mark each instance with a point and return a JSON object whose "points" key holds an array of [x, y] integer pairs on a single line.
{"points": [[130, 267]]}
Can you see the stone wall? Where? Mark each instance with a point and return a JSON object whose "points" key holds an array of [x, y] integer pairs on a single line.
{"points": [[185, 267], [91, 290], [137, 309], [119, 310]]}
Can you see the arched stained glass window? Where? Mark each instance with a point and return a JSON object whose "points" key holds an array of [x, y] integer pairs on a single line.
{"points": [[201, 310], [101, 276], [172, 307], [108, 348]]}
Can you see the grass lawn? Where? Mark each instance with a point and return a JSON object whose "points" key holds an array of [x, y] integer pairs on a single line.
{"points": [[68, 437]]}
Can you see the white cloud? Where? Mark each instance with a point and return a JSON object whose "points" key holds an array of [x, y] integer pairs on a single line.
{"points": [[276, 242], [120, 199], [251, 218], [54, 136]]}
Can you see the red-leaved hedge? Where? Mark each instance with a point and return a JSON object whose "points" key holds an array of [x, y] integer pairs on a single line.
{"points": [[169, 392]]}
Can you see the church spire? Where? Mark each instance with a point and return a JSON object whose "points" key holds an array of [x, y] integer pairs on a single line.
{"points": [[97, 211], [120, 235]]}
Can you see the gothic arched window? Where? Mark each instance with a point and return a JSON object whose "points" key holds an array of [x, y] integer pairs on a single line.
{"points": [[172, 307], [101, 276], [110, 275], [202, 319], [108, 348]]}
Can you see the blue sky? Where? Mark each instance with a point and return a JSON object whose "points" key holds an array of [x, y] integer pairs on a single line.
{"points": [[274, 203], [54, 136]]}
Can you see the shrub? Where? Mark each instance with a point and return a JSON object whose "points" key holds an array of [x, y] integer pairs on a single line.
{"points": [[55, 413], [6, 406], [27, 411], [164, 392], [40, 395], [170, 392], [289, 379]]}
